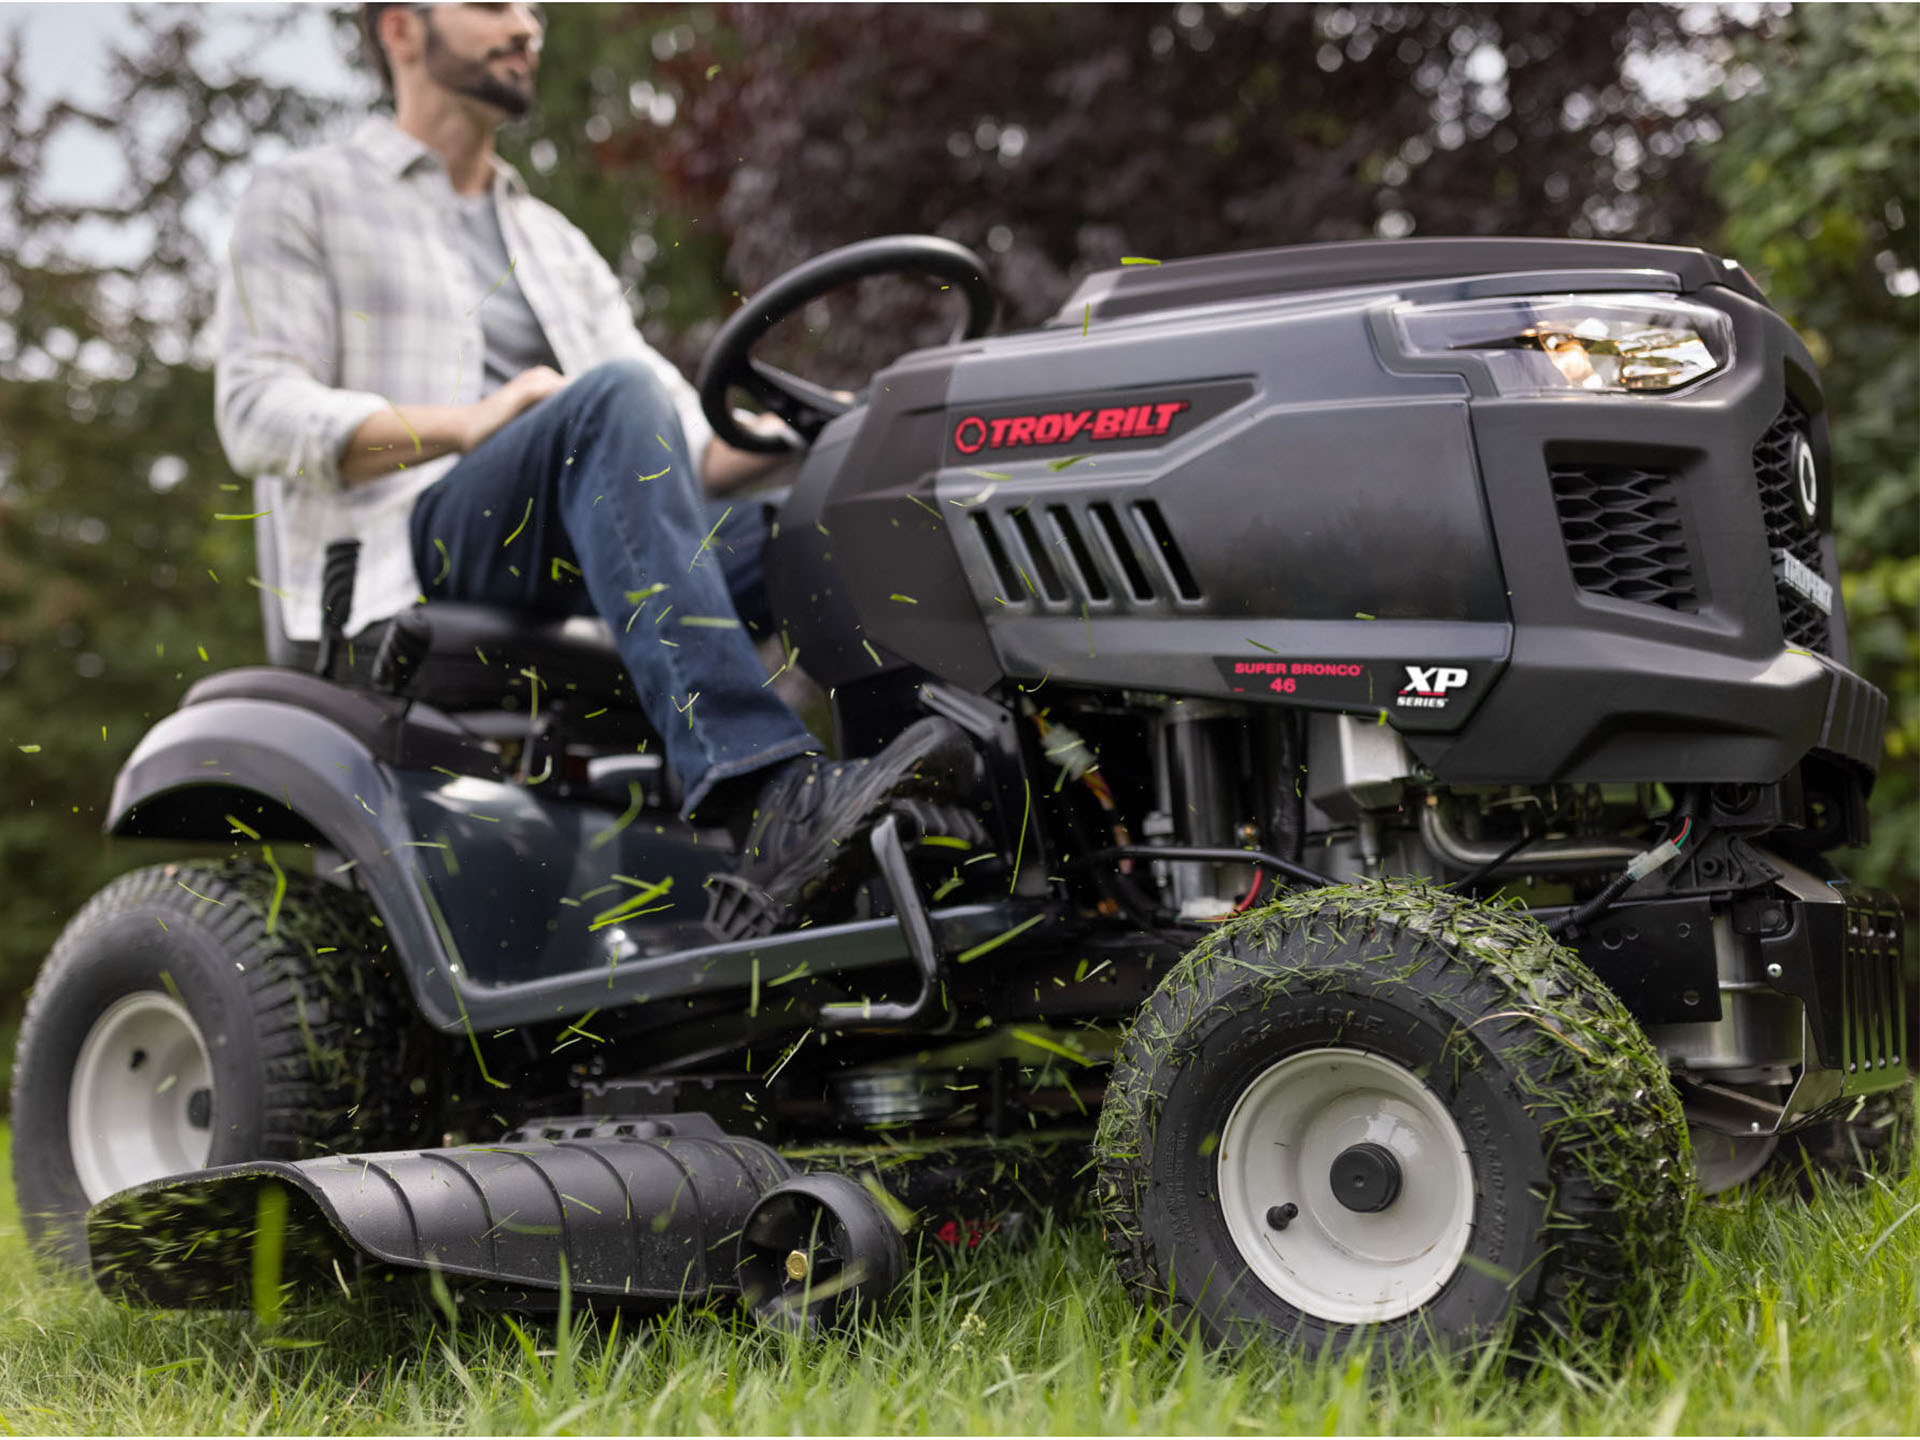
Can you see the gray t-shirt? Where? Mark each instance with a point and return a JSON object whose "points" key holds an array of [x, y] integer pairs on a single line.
{"points": [[514, 339]]}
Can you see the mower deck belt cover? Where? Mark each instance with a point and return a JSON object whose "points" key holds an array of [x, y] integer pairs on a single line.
{"points": [[622, 1219]]}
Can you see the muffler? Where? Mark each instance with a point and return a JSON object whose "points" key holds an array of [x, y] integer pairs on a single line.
{"points": [[641, 1212]]}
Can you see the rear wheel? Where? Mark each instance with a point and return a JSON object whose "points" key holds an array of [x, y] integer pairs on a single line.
{"points": [[201, 1014], [1389, 1111]]}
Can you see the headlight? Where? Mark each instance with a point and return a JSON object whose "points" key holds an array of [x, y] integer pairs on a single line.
{"points": [[1550, 345]]}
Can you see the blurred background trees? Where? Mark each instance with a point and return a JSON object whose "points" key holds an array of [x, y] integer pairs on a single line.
{"points": [[706, 148]]}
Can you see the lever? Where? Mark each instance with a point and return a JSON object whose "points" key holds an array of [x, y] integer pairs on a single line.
{"points": [[890, 854], [409, 636]]}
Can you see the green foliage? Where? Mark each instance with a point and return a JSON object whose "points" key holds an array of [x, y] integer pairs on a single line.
{"points": [[118, 588], [1057, 139], [1819, 176]]}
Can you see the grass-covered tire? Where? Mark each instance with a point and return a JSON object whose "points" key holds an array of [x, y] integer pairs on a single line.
{"points": [[1455, 1036], [199, 1014]]}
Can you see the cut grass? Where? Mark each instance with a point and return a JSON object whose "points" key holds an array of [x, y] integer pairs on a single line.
{"points": [[1798, 1319]]}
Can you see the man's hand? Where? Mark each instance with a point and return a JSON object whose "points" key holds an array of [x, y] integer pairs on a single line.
{"points": [[725, 469], [521, 393]]}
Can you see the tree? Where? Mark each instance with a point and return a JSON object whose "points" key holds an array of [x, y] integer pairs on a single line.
{"points": [[119, 585], [1057, 139]]}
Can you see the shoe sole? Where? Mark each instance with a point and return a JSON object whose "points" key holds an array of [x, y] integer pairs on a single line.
{"points": [[929, 759]]}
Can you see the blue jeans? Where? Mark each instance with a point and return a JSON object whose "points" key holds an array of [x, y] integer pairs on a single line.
{"points": [[587, 504]]}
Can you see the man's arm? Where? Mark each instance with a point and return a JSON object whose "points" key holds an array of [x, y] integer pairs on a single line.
{"points": [[725, 469], [402, 435], [275, 406]]}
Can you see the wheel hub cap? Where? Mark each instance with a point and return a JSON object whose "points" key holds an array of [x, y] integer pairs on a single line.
{"points": [[140, 1105], [1365, 1178], [1375, 1171]]}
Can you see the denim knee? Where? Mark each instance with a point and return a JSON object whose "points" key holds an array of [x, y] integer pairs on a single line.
{"points": [[627, 380]]}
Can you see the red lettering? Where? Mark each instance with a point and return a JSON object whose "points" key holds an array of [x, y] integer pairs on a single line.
{"points": [[1285, 685], [1057, 427]]}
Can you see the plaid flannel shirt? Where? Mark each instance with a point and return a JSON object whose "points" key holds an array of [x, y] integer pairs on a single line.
{"points": [[347, 291]]}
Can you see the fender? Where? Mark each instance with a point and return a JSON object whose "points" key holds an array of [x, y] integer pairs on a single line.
{"points": [[289, 775], [484, 941]]}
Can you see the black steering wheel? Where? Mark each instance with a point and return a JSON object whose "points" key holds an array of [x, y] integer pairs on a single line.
{"points": [[805, 406]]}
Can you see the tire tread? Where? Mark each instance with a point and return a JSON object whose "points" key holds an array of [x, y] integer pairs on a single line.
{"points": [[1615, 1137]]}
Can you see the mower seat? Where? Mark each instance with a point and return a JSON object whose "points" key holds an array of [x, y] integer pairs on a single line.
{"points": [[480, 656]]}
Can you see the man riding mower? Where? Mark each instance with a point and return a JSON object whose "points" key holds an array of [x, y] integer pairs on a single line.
{"points": [[1406, 722]]}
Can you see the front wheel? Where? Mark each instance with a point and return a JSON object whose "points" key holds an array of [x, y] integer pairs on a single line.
{"points": [[202, 1014], [1388, 1111]]}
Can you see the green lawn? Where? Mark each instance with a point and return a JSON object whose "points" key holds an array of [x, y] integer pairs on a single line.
{"points": [[1797, 1319]]}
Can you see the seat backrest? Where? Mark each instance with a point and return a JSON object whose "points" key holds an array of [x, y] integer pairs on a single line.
{"points": [[266, 499]]}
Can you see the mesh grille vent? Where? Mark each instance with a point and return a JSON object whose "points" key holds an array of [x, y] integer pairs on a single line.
{"points": [[1802, 621], [1621, 527]]}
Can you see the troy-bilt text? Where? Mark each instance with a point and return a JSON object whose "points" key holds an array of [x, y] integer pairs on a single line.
{"points": [[974, 433]]}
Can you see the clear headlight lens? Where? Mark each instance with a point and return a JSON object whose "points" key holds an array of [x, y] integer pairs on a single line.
{"points": [[1550, 345]]}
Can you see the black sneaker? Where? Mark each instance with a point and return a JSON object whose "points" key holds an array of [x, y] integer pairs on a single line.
{"points": [[803, 850]]}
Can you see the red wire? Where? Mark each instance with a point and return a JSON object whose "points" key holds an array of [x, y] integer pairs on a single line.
{"points": [[1242, 906]]}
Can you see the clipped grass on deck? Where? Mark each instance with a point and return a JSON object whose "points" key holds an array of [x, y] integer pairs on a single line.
{"points": [[1797, 1319]]}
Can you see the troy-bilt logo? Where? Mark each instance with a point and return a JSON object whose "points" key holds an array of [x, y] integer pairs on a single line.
{"points": [[1427, 686], [1794, 573], [974, 433]]}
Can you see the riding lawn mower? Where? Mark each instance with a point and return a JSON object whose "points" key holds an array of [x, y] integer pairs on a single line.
{"points": [[1411, 721]]}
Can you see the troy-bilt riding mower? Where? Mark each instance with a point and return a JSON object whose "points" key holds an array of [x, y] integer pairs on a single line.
{"points": [[1412, 717]]}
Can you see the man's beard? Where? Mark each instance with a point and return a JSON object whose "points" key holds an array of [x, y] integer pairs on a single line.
{"points": [[473, 79]]}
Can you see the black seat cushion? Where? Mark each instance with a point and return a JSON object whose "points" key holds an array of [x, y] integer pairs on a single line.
{"points": [[480, 657]]}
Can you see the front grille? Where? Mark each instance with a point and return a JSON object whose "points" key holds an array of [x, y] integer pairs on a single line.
{"points": [[1621, 528], [1804, 624]]}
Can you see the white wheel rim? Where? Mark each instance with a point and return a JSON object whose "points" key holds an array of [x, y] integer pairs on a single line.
{"points": [[1279, 1147], [132, 1106]]}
